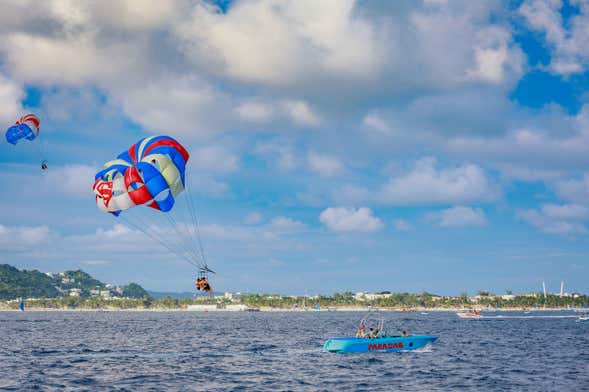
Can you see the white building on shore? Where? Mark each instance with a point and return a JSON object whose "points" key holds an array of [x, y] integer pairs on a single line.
{"points": [[366, 296], [75, 292]]}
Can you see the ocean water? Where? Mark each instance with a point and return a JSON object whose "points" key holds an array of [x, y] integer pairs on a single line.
{"points": [[185, 351]]}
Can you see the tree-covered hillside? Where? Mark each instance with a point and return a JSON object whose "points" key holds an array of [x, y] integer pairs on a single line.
{"points": [[15, 283]]}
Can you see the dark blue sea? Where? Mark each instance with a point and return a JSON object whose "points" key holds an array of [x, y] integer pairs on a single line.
{"points": [[242, 351]]}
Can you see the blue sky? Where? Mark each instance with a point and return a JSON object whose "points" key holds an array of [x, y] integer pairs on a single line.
{"points": [[335, 145]]}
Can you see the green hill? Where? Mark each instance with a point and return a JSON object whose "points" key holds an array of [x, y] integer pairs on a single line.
{"points": [[15, 283]]}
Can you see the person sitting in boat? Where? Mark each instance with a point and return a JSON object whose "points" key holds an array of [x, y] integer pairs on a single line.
{"points": [[361, 332], [405, 333], [375, 333]]}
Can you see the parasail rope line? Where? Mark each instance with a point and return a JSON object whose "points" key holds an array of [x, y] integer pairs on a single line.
{"points": [[191, 239], [180, 243], [194, 223], [39, 147], [190, 228], [187, 248], [168, 235], [159, 240], [193, 211], [42, 149], [150, 235]]}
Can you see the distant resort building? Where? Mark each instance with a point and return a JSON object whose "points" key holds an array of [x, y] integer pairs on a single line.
{"points": [[236, 307], [202, 308], [75, 292], [365, 296]]}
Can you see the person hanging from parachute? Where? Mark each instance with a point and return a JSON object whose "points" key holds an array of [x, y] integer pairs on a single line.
{"points": [[27, 127], [202, 281], [151, 173]]}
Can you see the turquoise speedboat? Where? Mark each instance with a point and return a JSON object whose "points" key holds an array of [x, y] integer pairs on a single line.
{"points": [[376, 339], [387, 344]]}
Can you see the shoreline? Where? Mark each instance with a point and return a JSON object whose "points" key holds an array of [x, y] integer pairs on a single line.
{"points": [[283, 310]]}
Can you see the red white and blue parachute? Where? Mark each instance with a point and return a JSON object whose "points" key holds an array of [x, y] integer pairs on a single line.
{"points": [[151, 172], [25, 128]]}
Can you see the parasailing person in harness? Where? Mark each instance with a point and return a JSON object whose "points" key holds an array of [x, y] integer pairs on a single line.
{"points": [[202, 282]]}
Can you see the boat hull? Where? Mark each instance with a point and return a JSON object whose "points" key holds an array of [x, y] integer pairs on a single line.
{"points": [[388, 344]]}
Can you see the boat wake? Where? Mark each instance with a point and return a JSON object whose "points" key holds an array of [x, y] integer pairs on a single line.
{"points": [[426, 349]]}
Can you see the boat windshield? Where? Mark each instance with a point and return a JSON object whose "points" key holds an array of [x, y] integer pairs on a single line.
{"points": [[371, 328]]}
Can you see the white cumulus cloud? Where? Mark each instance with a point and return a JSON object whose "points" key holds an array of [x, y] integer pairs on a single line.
{"points": [[325, 165], [301, 113], [459, 216], [22, 238], [350, 219], [568, 41], [546, 223], [426, 184], [11, 93], [255, 111]]}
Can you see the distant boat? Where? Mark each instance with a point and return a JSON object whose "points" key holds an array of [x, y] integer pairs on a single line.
{"points": [[425, 313], [21, 305], [584, 318], [252, 309], [471, 314]]}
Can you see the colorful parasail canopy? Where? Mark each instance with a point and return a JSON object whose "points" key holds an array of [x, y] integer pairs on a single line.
{"points": [[150, 172]]}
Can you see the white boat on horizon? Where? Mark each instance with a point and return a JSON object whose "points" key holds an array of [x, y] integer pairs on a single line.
{"points": [[470, 314]]}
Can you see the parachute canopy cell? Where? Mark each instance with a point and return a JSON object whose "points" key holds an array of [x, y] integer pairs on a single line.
{"points": [[25, 128], [150, 172]]}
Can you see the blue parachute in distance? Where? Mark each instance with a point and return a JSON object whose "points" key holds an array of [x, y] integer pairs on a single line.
{"points": [[25, 128]]}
